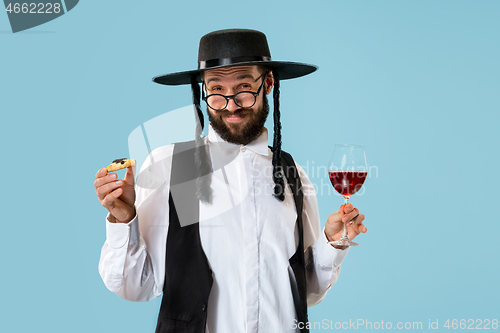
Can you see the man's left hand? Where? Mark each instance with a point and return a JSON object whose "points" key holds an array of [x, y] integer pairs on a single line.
{"points": [[346, 214]]}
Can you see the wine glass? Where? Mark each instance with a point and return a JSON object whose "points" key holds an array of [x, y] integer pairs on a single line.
{"points": [[347, 171]]}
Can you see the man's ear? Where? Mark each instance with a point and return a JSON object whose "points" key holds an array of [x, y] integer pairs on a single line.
{"points": [[269, 82]]}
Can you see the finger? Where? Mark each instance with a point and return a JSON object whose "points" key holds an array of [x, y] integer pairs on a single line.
{"points": [[105, 179], [350, 216], [129, 175], [353, 233], [356, 229], [101, 173], [348, 208], [103, 190], [109, 200], [358, 219], [358, 224], [343, 209], [360, 228]]}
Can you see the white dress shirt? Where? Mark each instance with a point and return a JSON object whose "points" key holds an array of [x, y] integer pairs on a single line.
{"points": [[247, 235]]}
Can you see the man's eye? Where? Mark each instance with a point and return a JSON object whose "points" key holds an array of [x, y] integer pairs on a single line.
{"points": [[216, 89], [245, 87]]}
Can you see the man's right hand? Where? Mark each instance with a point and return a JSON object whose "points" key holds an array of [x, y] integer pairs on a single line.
{"points": [[117, 196]]}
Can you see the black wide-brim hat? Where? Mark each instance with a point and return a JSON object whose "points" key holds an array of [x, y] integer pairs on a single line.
{"points": [[235, 47]]}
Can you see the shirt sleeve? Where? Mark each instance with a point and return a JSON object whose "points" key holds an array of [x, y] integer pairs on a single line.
{"points": [[132, 261], [323, 261]]}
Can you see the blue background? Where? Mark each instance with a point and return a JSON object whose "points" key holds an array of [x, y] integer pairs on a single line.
{"points": [[416, 82]]}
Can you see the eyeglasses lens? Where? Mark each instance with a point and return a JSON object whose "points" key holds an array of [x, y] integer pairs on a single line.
{"points": [[243, 99]]}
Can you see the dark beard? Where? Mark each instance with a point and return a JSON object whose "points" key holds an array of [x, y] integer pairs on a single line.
{"points": [[243, 135]]}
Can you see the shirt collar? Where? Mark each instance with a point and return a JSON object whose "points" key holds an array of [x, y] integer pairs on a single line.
{"points": [[259, 145]]}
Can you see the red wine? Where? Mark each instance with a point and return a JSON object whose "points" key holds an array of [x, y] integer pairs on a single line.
{"points": [[347, 182]]}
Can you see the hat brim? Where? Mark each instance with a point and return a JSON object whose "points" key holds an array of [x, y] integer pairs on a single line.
{"points": [[286, 70]]}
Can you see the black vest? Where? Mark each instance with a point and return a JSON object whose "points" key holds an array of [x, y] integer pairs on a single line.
{"points": [[188, 277]]}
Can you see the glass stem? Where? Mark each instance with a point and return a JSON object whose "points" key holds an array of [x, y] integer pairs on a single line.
{"points": [[345, 234]]}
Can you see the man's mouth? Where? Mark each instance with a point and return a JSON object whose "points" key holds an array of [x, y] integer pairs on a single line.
{"points": [[234, 117]]}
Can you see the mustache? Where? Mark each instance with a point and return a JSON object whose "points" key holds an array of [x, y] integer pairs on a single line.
{"points": [[237, 112]]}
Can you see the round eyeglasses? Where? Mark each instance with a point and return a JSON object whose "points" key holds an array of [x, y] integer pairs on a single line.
{"points": [[243, 99]]}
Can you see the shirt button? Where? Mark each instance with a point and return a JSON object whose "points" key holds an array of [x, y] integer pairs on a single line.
{"points": [[203, 308], [243, 149]]}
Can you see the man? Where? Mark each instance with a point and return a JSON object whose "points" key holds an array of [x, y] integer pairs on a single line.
{"points": [[254, 257]]}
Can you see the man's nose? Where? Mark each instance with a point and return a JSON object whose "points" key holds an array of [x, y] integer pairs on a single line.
{"points": [[231, 105]]}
